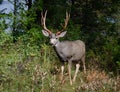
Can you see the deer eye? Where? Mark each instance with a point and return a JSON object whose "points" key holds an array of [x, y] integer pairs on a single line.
{"points": [[56, 37], [50, 36]]}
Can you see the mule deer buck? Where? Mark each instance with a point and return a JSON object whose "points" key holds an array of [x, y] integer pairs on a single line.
{"points": [[67, 51]]}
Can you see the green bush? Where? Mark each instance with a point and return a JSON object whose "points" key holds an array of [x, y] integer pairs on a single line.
{"points": [[5, 38]]}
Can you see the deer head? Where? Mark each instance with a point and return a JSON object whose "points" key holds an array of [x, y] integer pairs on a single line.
{"points": [[54, 37]]}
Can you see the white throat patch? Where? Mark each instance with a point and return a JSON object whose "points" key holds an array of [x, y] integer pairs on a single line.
{"points": [[53, 41]]}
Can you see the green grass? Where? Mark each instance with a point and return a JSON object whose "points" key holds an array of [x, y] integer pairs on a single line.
{"points": [[33, 69]]}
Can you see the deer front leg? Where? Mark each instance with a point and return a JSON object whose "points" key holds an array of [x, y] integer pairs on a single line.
{"points": [[62, 71], [69, 71], [76, 72]]}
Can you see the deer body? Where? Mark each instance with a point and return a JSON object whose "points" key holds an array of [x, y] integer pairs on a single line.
{"points": [[70, 51]]}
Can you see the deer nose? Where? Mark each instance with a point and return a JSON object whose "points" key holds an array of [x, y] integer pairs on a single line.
{"points": [[52, 41]]}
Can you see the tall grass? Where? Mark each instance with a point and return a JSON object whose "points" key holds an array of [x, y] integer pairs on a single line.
{"points": [[28, 68]]}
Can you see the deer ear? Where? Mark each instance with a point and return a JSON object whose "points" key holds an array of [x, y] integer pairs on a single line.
{"points": [[62, 34], [45, 33]]}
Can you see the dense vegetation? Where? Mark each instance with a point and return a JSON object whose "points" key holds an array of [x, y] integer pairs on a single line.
{"points": [[27, 61]]}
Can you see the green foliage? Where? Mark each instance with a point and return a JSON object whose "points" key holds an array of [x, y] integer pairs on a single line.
{"points": [[4, 38]]}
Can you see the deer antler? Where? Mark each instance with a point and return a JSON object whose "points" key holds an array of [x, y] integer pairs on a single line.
{"points": [[43, 20], [65, 24]]}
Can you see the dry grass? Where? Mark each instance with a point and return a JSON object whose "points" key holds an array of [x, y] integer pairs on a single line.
{"points": [[96, 80]]}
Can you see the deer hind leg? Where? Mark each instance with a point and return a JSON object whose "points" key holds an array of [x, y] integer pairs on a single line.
{"points": [[76, 72], [83, 61], [69, 71]]}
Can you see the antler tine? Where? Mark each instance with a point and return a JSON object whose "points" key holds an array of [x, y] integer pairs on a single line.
{"points": [[43, 20], [65, 24], [67, 19]]}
